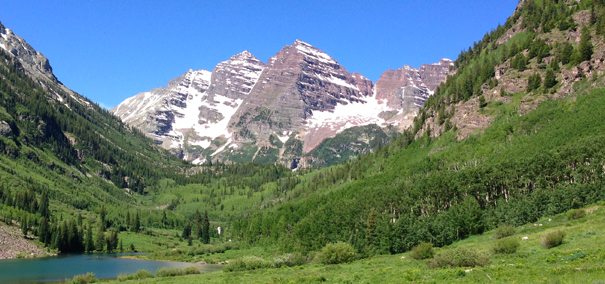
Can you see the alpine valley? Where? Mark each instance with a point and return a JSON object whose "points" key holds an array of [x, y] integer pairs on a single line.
{"points": [[489, 168], [286, 111]]}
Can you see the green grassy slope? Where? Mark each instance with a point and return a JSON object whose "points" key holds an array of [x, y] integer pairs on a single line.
{"points": [[578, 260]]}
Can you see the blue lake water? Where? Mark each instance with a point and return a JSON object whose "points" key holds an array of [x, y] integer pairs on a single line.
{"points": [[59, 268]]}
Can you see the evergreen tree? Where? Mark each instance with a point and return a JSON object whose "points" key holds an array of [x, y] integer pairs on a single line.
{"points": [[205, 229], [550, 79], [100, 238], [121, 247], [482, 102], [44, 231], [89, 239], [566, 53], [44, 205], [186, 230], [24, 227], [585, 45], [372, 240], [103, 215], [128, 222], [137, 224]]}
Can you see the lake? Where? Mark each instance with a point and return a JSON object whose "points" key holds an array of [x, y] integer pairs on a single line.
{"points": [[58, 268]]}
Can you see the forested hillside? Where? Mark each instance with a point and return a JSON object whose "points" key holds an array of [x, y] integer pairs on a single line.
{"points": [[433, 184]]}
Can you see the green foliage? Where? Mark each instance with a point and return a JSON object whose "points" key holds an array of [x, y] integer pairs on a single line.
{"points": [[482, 102], [504, 231], [191, 270], [575, 214], [339, 252], [534, 82], [139, 275], [422, 251], [83, 279], [550, 79], [459, 257], [585, 48], [506, 246], [255, 263], [553, 239], [169, 272]]}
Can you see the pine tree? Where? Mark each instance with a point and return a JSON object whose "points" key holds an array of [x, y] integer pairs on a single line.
{"points": [[128, 222], [205, 229], [89, 239], [44, 205], [121, 247], [103, 215], [550, 79], [585, 45], [482, 102], [24, 227], [372, 240], [43, 231], [186, 230], [100, 239], [137, 224]]}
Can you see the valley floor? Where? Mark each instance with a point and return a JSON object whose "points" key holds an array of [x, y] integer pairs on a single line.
{"points": [[580, 259]]}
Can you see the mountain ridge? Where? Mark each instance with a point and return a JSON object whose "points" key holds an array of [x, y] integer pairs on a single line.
{"points": [[302, 94]]}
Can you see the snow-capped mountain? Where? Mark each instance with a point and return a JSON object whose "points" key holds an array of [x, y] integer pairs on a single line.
{"points": [[193, 109], [245, 110]]}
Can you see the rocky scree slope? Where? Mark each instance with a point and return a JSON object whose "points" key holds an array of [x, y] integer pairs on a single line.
{"points": [[280, 111]]}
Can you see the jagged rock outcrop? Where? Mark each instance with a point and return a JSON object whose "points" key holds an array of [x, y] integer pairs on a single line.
{"points": [[407, 88]]}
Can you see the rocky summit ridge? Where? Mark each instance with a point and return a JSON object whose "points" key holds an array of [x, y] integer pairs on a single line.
{"points": [[246, 110]]}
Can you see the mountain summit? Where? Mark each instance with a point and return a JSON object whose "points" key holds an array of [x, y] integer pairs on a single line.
{"points": [[245, 110]]}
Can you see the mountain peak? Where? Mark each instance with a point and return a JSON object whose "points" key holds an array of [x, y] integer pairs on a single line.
{"points": [[298, 41]]}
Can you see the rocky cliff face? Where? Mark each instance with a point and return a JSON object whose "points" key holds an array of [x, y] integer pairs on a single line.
{"points": [[407, 88], [33, 61], [245, 110]]}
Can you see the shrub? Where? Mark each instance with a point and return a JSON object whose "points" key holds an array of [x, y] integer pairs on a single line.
{"points": [[191, 270], [504, 231], [168, 271], [553, 239], [460, 257], [254, 262], [336, 253], [506, 246], [575, 214], [422, 251], [83, 279], [139, 275], [247, 263]]}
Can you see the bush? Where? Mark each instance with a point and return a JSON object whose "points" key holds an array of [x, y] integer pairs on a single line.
{"points": [[336, 253], [254, 262], [460, 257], [575, 214], [506, 246], [139, 275], [191, 270], [83, 279], [247, 263], [553, 239], [422, 251], [504, 231], [169, 271]]}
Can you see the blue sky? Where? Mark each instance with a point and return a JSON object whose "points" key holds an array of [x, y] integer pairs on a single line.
{"points": [[111, 50]]}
